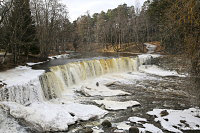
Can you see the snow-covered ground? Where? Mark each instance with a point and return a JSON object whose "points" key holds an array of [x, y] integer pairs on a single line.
{"points": [[46, 116], [19, 75]]}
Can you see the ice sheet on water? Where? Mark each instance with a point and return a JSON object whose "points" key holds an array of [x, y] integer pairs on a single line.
{"points": [[150, 128], [93, 90], [137, 119], [115, 105], [146, 126], [187, 119], [32, 64]]}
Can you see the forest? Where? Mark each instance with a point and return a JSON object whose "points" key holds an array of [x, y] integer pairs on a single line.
{"points": [[41, 28]]}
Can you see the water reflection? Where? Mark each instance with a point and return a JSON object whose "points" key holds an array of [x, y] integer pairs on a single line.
{"points": [[73, 57]]}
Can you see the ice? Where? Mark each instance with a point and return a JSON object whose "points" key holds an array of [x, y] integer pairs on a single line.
{"points": [[19, 75], [85, 112], [187, 119], [151, 48], [137, 119], [122, 126], [9, 125], [32, 64], [93, 90], [155, 70], [59, 56], [21, 85], [47, 116], [97, 130], [147, 58], [115, 105], [150, 128], [147, 127]]}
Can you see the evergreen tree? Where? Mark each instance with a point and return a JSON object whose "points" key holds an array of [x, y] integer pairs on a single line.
{"points": [[22, 31]]}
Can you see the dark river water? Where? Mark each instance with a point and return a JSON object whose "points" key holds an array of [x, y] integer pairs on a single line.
{"points": [[74, 57]]}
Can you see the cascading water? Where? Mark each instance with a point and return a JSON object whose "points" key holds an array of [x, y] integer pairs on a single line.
{"points": [[51, 84], [61, 77], [23, 94], [43, 114]]}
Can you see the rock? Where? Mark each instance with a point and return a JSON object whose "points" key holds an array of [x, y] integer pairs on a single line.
{"points": [[88, 130], [164, 113], [97, 84], [133, 130], [182, 121], [85, 130], [106, 123]]}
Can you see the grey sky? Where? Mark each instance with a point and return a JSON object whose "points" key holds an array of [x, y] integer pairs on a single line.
{"points": [[77, 8]]}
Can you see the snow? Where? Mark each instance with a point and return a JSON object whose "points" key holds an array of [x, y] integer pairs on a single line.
{"points": [[8, 124], [47, 116], [155, 70], [115, 105], [21, 85], [19, 75], [187, 119], [97, 130], [59, 56], [32, 64], [147, 127], [147, 58], [93, 90], [150, 128], [151, 48], [137, 119], [122, 126], [85, 112]]}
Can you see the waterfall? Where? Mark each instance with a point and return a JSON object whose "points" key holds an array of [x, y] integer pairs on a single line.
{"points": [[62, 77], [23, 94], [51, 84]]}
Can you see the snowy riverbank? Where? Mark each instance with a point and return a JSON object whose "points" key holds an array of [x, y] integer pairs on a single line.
{"points": [[112, 94]]}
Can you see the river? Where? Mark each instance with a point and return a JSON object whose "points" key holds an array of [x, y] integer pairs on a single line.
{"points": [[83, 90]]}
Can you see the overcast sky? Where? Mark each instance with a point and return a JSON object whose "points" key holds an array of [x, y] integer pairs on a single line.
{"points": [[77, 8]]}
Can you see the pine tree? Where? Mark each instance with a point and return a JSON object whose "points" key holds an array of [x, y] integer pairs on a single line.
{"points": [[22, 30]]}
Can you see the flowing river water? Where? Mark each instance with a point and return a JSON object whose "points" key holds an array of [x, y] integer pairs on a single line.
{"points": [[88, 78]]}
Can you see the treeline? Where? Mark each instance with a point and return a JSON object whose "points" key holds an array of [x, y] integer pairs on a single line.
{"points": [[174, 23], [33, 27], [42, 27], [113, 28], [177, 23]]}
